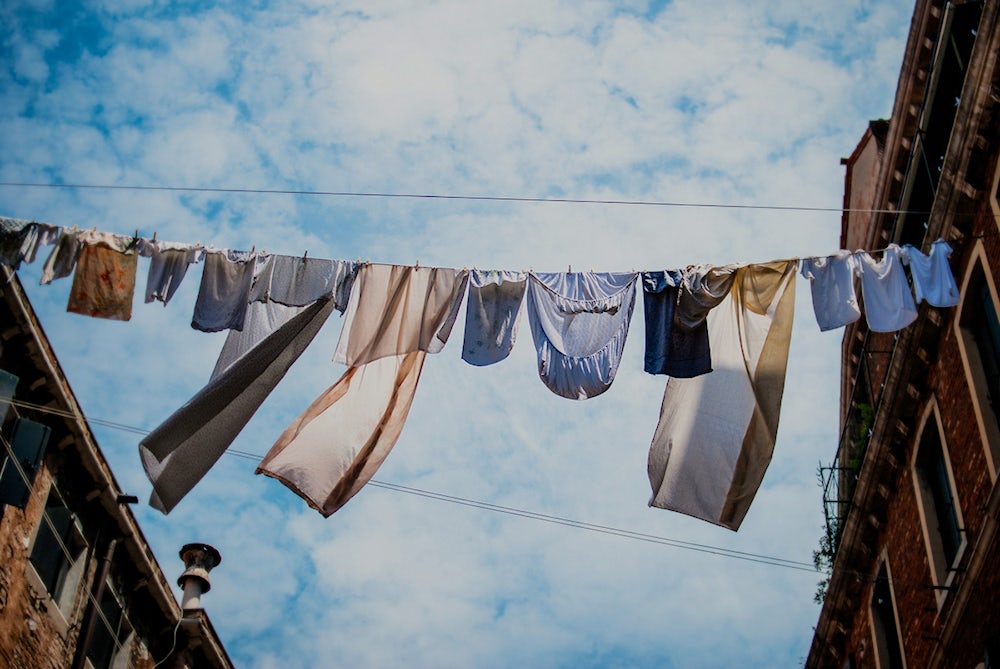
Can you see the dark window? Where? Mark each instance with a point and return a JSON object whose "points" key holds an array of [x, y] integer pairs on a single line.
{"points": [[58, 546], [953, 49], [110, 633], [938, 498], [8, 384], [23, 455], [980, 317], [883, 612]]}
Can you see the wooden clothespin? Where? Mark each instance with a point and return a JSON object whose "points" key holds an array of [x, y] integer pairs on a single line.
{"points": [[569, 270], [252, 249], [305, 256], [154, 235], [417, 266]]}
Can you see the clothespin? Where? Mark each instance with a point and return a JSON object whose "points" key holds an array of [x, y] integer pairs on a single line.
{"points": [[305, 256], [569, 270], [154, 235], [252, 249], [417, 266], [136, 235]]}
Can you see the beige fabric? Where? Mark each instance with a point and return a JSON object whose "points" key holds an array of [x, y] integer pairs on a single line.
{"points": [[178, 453], [396, 315], [104, 280], [716, 432], [332, 450], [396, 309]]}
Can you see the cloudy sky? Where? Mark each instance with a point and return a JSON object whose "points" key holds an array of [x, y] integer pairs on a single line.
{"points": [[723, 103]]}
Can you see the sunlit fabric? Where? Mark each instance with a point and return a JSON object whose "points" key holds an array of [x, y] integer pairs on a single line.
{"points": [[178, 453], [396, 315], [716, 432]]}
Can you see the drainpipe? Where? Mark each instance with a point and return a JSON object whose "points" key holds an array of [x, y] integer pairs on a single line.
{"points": [[90, 613]]}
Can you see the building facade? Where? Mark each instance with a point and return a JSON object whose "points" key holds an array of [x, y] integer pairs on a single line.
{"points": [[911, 496], [79, 586]]}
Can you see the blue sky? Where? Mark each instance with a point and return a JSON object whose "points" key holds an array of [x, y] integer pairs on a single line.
{"points": [[727, 103]]}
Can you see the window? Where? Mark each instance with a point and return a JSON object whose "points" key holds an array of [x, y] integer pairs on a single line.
{"points": [[57, 554], [110, 645], [940, 513], [22, 458], [885, 626], [978, 327]]}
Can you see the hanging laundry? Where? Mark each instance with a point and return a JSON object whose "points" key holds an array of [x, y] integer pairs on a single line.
{"points": [[62, 259], [17, 238], [168, 264], [932, 277], [396, 309], [294, 280], [716, 433], [889, 303], [676, 304], [832, 284], [396, 315], [334, 448], [47, 235], [104, 278], [284, 286], [178, 453], [491, 315], [579, 322], [225, 290], [659, 300], [20, 239]]}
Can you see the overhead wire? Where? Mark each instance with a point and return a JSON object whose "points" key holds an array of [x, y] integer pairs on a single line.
{"points": [[440, 196], [488, 506]]}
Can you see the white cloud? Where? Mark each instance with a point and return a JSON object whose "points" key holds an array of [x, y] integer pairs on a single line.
{"points": [[722, 103]]}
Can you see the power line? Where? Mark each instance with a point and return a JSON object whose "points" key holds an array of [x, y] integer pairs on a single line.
{"points": [[579, 524], [471, 198], [487, 506]]}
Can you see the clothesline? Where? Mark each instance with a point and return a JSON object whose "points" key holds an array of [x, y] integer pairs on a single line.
{"points": [[720, 334]]}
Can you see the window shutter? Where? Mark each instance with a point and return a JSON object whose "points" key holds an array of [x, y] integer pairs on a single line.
{"points": [[28, 446], [8, 384]]}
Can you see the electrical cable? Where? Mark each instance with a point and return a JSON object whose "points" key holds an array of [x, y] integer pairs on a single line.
{"points": [[470, 198], [173, 646], [487, 506]]}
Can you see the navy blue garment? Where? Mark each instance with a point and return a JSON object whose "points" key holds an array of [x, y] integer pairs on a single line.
{"points": [[671, 347]]}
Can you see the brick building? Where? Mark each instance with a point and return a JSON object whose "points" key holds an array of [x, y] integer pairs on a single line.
{"points": [[79, 586], [912, 498]]}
